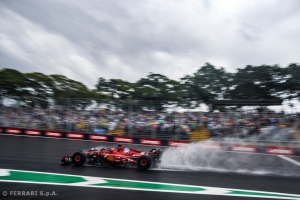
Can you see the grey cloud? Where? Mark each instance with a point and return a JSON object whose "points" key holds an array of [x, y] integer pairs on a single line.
{"points": [[127, 40]]}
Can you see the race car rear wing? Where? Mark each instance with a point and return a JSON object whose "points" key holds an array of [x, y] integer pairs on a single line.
{"points": [[155, 152]]}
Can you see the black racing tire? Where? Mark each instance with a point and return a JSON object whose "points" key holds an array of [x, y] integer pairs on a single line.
{"points": [[78, 158], [144, 162]]}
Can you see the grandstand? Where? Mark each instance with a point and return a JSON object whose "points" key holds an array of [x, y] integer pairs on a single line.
{"points": [[138, 120]]}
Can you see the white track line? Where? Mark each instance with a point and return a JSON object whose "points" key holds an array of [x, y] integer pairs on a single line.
{"points": [[289, 159]]}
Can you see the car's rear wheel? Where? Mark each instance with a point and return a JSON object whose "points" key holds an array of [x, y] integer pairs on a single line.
{"points": [[144, 162], [78, 158]]}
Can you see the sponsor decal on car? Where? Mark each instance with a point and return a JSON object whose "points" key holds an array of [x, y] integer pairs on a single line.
{"points": [[75, 135], [33, 132], [243, 148], [280, 151], [123, 139], [13, 131], [110, 158], [53, 134], [210, 146], [98, 137], [150, 141], [175, 143]]}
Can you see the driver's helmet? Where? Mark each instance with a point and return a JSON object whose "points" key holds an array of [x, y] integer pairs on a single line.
{"points": [[119, 148]]}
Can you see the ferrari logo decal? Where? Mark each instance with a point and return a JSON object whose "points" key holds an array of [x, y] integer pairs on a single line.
{"points": [[110, 158]]}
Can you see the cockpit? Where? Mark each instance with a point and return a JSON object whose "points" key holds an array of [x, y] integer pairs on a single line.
{"points": [[119, 148]]}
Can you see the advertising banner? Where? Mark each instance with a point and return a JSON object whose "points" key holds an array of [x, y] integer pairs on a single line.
{"points": [[175, 143], [150, 141], [243, 148], [280, 150], [73, 135], [32, 132], [54, 134], [96, 137], [15, 131], [210, 146], [123, 139]]}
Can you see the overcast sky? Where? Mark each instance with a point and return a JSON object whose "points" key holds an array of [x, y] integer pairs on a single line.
{"points": [[85, 40]]}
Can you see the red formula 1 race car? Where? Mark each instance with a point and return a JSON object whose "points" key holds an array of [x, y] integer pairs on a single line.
{"points": [[116, 157]]}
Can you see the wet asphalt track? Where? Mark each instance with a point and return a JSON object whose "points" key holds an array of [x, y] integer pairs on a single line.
{"points": [[41, 154]]}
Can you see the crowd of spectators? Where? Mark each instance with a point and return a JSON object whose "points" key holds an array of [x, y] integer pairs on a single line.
{"points": [[148, 123]]}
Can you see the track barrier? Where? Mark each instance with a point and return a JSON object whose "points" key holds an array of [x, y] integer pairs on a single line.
{"points": [[206, 145]]}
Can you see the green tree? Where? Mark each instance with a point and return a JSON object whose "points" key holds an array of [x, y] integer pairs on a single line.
{"points": [[14, 83], [260, 82], [215, 81], [40, 88], [68, 92], [41, 84], [157, 90], [116, 88], [291, 87], [192, 94]]}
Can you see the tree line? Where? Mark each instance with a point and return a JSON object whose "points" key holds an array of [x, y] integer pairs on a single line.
{"points": [[206, 84]]}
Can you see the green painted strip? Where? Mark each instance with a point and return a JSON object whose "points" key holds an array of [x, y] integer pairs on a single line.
{"points": [[262, 194], [7, 175], [152, 186], [39, 177]]}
